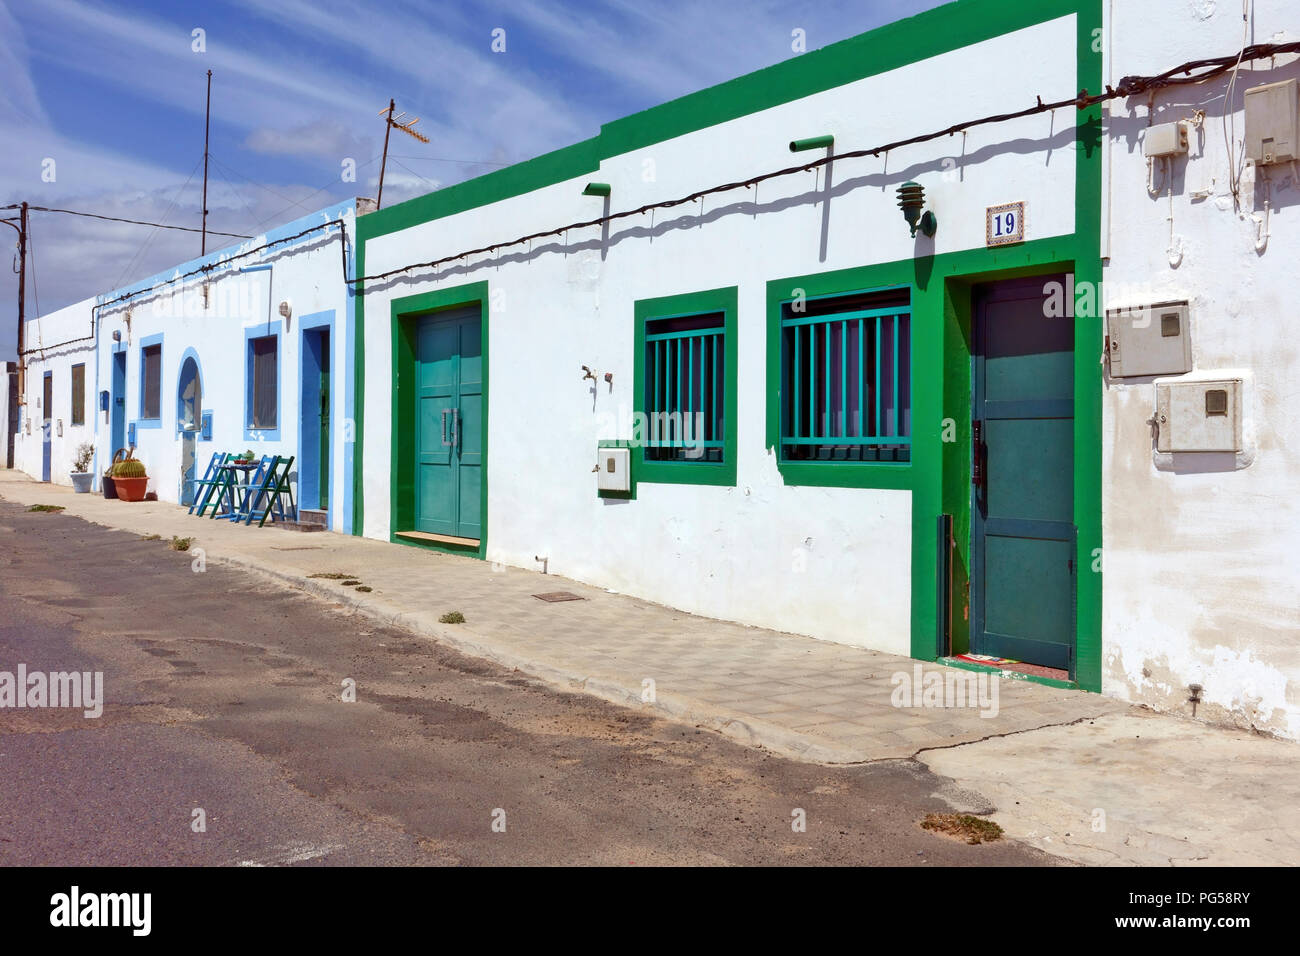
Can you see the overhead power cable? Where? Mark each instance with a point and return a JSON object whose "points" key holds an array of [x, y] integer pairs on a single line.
{"points": [[1193, 71], [134, 222]]}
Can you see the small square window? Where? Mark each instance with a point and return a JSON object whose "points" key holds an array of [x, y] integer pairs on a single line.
{"points": [[685, 371]]}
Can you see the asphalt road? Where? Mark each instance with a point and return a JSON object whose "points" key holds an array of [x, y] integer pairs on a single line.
{"points": [[224, 694]]}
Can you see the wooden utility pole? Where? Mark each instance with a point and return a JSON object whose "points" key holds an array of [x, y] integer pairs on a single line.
{"points": [[207, 123]]}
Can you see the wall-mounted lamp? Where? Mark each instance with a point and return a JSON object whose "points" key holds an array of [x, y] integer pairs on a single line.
{"points": [[816, 142], [911, 199], [596, 189]]}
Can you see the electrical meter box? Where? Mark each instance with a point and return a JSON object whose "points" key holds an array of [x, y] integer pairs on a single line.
{"points": [[614, 469], [1149, 339], [1165, 139], [1273, 123], [1198, 416]]}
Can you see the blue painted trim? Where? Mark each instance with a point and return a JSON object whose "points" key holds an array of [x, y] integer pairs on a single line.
{"points": [[146, 342], [262, 330], [189, 353], [307, 483]]}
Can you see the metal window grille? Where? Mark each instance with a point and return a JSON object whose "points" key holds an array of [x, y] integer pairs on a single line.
{"points": [[79, 394], [846, 390], [685, 369]]}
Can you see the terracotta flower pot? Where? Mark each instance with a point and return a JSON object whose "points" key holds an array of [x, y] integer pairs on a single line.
{"points": [[131, 489]]}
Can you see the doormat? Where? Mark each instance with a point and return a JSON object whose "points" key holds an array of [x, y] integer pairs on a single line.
{"points": [[1019, 667], [551, 597], [985, 659]]}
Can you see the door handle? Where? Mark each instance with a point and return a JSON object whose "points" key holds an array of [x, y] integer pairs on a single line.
{"points": [[455, 427], [977, 453], [445, 443]]}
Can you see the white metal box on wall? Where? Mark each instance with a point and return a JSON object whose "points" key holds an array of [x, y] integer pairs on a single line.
{"points": [[1273, 123], [1149, 340], [1198, 416], [614, 470]]}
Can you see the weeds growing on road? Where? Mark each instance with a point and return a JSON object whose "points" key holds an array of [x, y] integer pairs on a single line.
{"points": [[963, 826], [46, 509], [150, 537], [180, 544], [452, 617], [332, 576]]}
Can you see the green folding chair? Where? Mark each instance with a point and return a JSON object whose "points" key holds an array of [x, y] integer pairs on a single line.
{"points": [[266, 500]]}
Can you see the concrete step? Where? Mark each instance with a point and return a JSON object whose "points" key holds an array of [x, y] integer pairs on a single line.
{"points": [[312, 516]]}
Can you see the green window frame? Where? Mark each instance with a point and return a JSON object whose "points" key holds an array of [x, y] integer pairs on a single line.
{"points": [[846, 377], [684, 422], [79, 394]]}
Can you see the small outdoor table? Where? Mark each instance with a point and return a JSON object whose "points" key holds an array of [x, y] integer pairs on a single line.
{"points": [[239, 491]]}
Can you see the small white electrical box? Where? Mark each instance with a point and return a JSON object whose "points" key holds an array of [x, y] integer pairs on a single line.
{"points": [[1273, 123], [1198, 416], [614, 469], [1167, 139], [1149, 340]]}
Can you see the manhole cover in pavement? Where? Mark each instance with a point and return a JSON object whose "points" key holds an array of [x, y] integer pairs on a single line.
{"points": [[552, 597]]}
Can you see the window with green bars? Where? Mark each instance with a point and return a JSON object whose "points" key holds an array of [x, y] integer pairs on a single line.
{"points": [[685, 388], [846, 378]]}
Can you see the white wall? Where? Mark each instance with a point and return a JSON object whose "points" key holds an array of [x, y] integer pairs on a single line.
{"points": [[832, 562], [70, 323], [1202, 582]]}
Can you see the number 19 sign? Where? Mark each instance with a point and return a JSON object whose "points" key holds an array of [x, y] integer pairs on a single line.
{"points": [[1004, 224]]}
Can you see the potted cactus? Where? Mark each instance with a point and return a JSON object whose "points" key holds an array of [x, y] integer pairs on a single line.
{"points": [[130, 479], [81, 475]]}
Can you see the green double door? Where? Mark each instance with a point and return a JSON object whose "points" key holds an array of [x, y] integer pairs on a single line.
{"points": [[1023, 540], [449, 424]]}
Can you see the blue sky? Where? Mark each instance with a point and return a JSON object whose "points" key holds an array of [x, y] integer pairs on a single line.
{"points": [[114, 94]]}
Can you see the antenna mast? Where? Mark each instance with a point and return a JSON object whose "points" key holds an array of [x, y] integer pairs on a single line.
{"points": [[390, 124]]}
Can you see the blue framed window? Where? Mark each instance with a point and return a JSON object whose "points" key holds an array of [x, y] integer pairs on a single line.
{"points": [[846, 378], [79, 394], [151, 379], [264, 382]]}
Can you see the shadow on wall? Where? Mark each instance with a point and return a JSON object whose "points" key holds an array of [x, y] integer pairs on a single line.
{"points": [[883, 181]]}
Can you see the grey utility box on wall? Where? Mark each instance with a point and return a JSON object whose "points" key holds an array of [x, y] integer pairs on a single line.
{"points": [[1149, 340], [1198, 416], [1273, 123]]}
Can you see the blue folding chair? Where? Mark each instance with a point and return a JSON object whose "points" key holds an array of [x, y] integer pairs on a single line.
{"points": [[204, 486]]}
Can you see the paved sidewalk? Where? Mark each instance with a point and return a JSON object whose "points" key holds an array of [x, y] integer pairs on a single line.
{"points": [[794, 695]]}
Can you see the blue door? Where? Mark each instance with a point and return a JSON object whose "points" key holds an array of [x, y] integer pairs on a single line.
{"points": [[1023, 541], [117, 415], [47, 439], [449, 420]]}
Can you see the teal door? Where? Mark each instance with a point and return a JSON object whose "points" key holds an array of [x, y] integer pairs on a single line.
{"points": [[449, 418], [1023, 560]]}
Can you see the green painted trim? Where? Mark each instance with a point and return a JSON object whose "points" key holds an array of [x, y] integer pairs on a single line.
{"points": [[403, 311], [1009, 675], [359, 390], [726, 301], [620, 495]]}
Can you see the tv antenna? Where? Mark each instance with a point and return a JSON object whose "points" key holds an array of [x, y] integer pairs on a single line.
{"points": [[391, 123]]}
